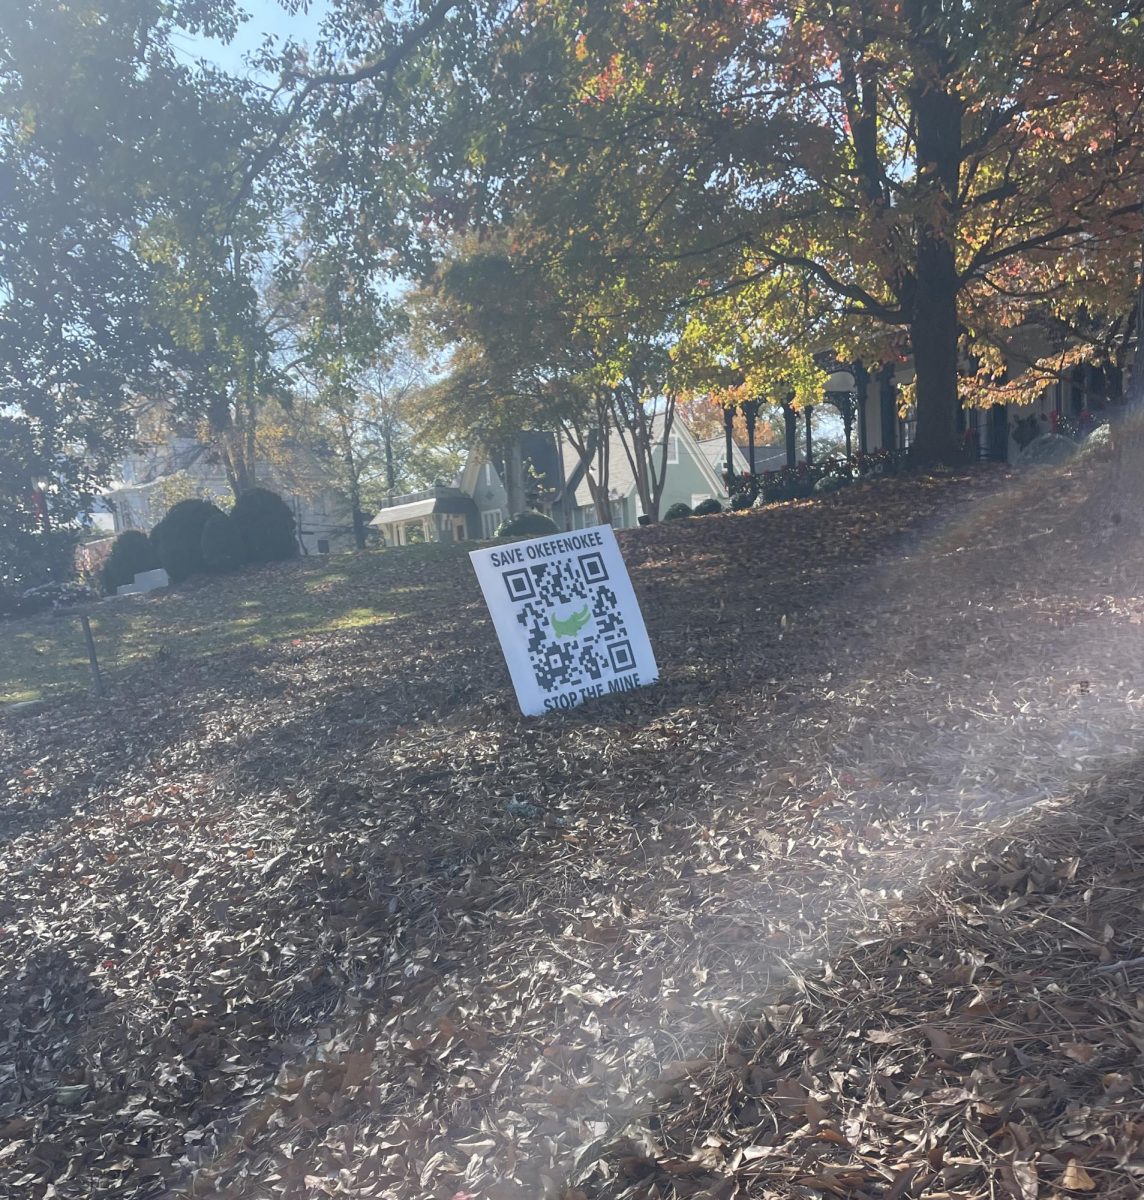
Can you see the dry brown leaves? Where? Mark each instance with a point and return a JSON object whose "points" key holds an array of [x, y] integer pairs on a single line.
{"points": [[328, 918]]}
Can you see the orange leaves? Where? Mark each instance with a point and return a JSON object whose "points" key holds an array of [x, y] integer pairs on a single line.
{"points": [[606, 84]]}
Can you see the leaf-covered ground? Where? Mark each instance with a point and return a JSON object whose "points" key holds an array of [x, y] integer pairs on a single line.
{"points": [[847, 905], [47, 655]]}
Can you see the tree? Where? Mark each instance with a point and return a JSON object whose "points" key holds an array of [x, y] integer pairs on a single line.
{"points": [[540, 349], [907, 158], [103, 135], [360, 419], [515, 361], [224, 289], [359, 373]]}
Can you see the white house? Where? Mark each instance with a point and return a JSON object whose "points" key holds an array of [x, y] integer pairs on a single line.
{"points": [[152, 478]]}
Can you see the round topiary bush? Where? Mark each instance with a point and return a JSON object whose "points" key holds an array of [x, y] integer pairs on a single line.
{"points": [[527, 524], [706, 507], [131, 553], [178, 538], [1098, 444], [830, 483], [222, 545], [267, 526], [1047, 450], [678, 511]]}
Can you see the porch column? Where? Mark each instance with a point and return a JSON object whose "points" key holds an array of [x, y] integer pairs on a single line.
{"points": [[751, 412], [861, 386], [888, 403], [790, 428]]}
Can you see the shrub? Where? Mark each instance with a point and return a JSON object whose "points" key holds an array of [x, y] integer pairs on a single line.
{"points": [[530, 523], [831, 483], [29, 558], [1099, 443], [222, 545], [1048, 449], [131, 553], [678, 511], [267, 526], [56, 595], [741, 501], [178, 538], [706, 507]]}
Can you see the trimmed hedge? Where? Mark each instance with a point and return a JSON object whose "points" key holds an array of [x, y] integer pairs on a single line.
{"points": [[178, 538], [131, 553], [530, 523], [678, 511], [706, 507], [222, 545], [267, 526]]}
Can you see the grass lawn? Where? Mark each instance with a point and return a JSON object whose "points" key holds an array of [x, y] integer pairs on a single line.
{"points": [[46, 655]]}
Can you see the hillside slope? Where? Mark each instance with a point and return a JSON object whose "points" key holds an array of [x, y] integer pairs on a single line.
{"points": [[328, 917]]}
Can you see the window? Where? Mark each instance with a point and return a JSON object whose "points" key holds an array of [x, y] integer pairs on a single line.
{"points": [[323, 545], [490, 521], [698, 498], [458, 529], [673, 450]]}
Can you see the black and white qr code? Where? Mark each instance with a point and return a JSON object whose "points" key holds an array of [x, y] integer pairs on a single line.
{"points": [[576, 631]]}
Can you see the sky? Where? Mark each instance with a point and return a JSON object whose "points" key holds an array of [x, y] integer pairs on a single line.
{"points": [[265, 16]]}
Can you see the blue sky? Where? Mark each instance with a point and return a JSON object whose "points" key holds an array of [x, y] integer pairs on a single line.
{"points": [[265, 16]]}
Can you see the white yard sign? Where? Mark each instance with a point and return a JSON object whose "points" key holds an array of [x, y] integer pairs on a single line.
{"points": [[567, 618]]}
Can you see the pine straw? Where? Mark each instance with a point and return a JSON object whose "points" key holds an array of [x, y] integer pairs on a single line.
{"points": [[991, 1045], [275, 929]]}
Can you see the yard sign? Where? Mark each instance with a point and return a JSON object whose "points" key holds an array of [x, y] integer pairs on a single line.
{"points": [[567, 618]]}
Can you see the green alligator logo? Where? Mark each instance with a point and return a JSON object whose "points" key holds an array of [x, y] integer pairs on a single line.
{"points": [[570, 626]]}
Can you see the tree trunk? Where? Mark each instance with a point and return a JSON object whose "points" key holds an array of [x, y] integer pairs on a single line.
{"points": [[938, 114], [390, 466], [514, 477], [356, 514], [933, 333], [932, 289]]}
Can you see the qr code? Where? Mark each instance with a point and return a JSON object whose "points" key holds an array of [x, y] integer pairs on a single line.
{"points": [[576, 632]]}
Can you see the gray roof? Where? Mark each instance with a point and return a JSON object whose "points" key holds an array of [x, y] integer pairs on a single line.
{"points": [[715, 451], [767, 458]]}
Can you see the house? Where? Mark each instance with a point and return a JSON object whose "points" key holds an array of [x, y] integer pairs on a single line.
{"points": [[474, 504], [154, 477], [553, 477], [1084, 396], [767, 458], [437, 514], [689, 478]]}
